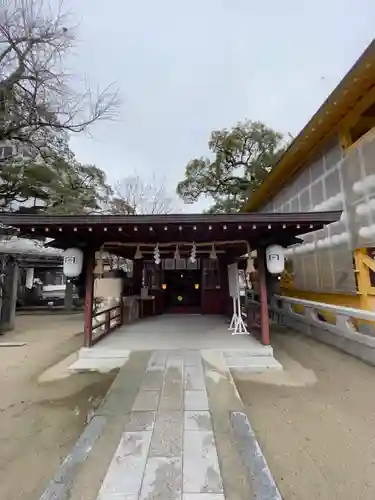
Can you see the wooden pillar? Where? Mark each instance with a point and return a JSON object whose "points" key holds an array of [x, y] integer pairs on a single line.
{"points": [[68, 297], [8, 300], [264, 319], [89, 297], [227, 305], [137, 276]]}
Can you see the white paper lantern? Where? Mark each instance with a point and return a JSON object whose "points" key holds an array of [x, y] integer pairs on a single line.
{"points": [[29, 278], [275, 259], [73, 262]]}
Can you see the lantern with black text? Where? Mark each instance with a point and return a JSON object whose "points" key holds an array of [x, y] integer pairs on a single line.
{"points": [[275, 259], [73, 262]]}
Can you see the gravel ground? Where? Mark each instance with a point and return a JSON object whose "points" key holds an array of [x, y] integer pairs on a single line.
{"points": [[40, 422], [315, 422]]}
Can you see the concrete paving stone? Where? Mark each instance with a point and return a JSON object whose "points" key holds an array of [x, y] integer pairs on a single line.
{"points": [[194, 378], [196, 400], [146, 401], [92, 471], [115, 496], [192, 358], [126, 469], [157, 359], [223, 397], [201, 472], [136, 364], [197, 421], [172, 376], [171, 403], [153, 379], [120, 398], [172, 392], [116, 402], [63, 480], [175, 362], [203, 496], [162, 479], [263, 482], [167, 437], [156, 368], [138, 421], [176, 353], [220, 386], [87, 483], [172, 399]]}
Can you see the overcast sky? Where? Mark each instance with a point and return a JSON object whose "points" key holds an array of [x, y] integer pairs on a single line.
{"points": [[185, 68]]}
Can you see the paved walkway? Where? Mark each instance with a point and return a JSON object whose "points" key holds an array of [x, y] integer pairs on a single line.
{"points": [[163, 433], [165, 450]]}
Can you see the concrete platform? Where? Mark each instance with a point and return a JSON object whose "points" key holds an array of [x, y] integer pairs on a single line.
{"points": [[175, 333]]}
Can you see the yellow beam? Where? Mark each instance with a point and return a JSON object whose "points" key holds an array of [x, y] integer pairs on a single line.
{"points": [[369, 262], [338, 299], [353, 116]]}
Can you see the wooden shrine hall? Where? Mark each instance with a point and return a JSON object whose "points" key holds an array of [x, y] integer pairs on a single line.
{"points": [[180, 259]]}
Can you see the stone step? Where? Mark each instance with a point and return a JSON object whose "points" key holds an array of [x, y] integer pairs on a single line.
{"points": [[260, 350], [96, 364], [255, 364], [103, 353]]}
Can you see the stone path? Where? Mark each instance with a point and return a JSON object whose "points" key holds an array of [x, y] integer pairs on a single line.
{"points": [[168, 449]]}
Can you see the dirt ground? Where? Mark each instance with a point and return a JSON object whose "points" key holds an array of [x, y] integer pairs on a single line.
{"points": [[319, 438], [40, 422]]}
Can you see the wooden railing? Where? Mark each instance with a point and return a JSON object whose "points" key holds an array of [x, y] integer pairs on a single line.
{"points": [[105, 321]]}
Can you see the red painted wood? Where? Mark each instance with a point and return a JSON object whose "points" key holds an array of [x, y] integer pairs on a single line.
{"points": [[264, 320], [213, 301], [159, 300], [137, 276], [89, 299]]}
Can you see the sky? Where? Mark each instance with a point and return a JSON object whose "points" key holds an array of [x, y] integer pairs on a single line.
{"points": [[185, 68]]}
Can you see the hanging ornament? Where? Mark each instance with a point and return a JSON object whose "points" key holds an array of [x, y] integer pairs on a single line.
{"points": [[213, 254], [157, 254], [177, 253], [250, 265], [99, 267], [138, 254], [193, 254], [250, 261]]}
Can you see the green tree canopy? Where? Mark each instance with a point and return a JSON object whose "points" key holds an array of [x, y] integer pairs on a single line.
{"points": [[60, 186], [240, 160]]}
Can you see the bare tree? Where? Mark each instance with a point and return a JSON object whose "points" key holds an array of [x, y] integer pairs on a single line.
{"points": [[134, 196], [37, 100]]}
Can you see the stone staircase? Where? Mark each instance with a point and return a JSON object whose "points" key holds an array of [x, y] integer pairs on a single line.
{"points": [[255, 360]]}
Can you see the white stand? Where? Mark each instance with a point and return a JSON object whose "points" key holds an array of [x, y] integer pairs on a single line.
{"points": [[237, 324], [233, 320]]}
